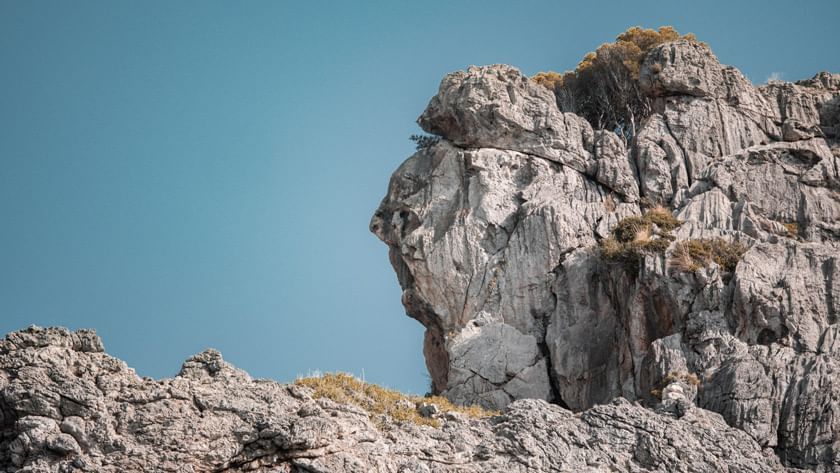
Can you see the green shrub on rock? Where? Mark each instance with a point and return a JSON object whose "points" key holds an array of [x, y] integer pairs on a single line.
{"points": [[422, 142]]}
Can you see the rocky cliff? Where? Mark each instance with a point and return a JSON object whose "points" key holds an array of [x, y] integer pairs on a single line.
{"points": [[510, 240]]}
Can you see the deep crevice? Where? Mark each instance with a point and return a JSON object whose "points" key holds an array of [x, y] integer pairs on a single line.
{"points": [[829, 266], [552, 381]]}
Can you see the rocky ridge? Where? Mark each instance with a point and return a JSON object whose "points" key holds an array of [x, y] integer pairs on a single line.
{"points": [[494, 234], [66, 406]]}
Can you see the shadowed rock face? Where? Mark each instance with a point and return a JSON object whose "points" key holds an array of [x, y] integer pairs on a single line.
{"points": [[493, 233], [68, 407]]}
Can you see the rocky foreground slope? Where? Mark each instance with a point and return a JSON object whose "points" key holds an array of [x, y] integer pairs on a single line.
{"points": [[66, 406], [510, 239]]}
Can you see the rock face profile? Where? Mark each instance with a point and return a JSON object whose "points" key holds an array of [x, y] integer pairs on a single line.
{"points": [[506, 237], [665, 302]]}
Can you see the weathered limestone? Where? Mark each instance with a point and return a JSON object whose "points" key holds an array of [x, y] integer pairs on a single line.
{"points": [[468, 230], [498, 107], [68, 407], [494, 233]]}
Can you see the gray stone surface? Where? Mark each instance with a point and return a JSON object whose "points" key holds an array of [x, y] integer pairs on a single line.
{"points": [[494, 234], [67, 408], [498, 107]]}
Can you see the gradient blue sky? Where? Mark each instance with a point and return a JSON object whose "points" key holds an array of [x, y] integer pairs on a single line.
{"points": [[181, 175]]}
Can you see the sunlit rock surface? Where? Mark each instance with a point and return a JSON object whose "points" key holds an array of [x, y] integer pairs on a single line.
{"points": [[494, 231], [66, 406]]}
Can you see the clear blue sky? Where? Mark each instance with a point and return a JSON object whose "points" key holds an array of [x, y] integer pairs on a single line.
{"points": [[180, 175]]}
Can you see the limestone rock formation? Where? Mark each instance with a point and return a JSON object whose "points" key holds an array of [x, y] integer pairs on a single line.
{"points": [[702, 344], [66, 406], [494, 234]]}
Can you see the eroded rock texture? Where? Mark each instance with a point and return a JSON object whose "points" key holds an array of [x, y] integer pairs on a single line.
{"points": [[494, 231], [66, 406]]}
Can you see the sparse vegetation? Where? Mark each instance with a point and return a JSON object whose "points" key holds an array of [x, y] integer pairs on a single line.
{"points": [[685, 377], [604, 87], [344, 388], [691, 255], [663, 218], [550, 80], [792, 229], [633, 237], [424, 141]]}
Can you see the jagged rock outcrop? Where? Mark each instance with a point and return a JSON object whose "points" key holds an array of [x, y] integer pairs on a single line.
{"points": [[66, 406], [494, 233]]}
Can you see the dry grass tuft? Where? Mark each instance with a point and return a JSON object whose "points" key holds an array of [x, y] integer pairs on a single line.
{"points": [[691, 255], [643, 235], [344, 388], [626, 229], [681, 259], [792, 229], [611, 249], [633, 237], [662, 218], [687, 378]]}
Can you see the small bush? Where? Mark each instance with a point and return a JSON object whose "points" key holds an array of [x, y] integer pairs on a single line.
{"points": [[629, 229], [627, 255], [658, 245], [633, 237], [550, 80], [344, 388], [691, 255], [604, 87], [611, 249], [422, 142]]}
